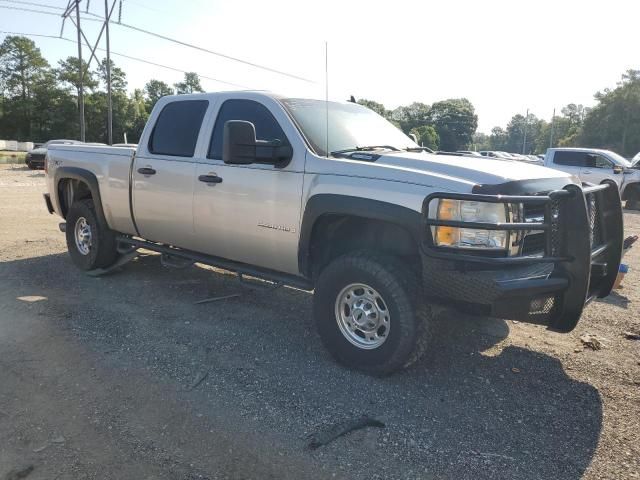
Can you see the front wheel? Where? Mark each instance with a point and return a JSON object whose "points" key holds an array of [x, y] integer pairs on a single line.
{"points": [[369, 314], [90, 244]]}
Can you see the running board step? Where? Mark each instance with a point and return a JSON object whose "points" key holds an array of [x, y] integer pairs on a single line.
{"points": [[229, 265]]}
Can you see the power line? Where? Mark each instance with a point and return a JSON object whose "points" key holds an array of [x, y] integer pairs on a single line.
{"points": [[33, 4], [148, 62], [31, 10], [206, 50], [98, 18]]}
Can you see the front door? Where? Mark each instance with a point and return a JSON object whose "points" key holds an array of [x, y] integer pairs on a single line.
{"points": [[597, 169], [250, 213]]}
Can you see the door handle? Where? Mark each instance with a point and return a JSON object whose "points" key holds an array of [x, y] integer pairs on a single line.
{"points": [[146, 171], [210, 179], [587, 171]]}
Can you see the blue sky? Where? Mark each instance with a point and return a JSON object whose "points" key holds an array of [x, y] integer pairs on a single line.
{"points": [[505, 56]]}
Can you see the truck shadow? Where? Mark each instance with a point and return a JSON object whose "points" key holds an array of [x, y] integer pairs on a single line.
{"points": [[462, 412]]}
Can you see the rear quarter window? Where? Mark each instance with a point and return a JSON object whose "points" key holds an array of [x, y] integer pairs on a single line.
{"points": [[177, 127]]}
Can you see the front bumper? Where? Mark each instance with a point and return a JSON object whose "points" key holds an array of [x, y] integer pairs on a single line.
{"points": [[583, 247]]}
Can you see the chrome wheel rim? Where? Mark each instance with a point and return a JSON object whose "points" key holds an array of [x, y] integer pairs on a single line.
{"points": [[82, 235], [362, 316]]}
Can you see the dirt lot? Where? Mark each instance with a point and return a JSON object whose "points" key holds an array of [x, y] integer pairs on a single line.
{"points": [[125, 377]]}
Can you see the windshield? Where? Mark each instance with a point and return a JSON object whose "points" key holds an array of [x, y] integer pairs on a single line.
{"points": [[350, 126], [620, 160]]}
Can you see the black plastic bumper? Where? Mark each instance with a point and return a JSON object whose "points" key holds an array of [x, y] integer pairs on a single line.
{"points": [[583, 247]]}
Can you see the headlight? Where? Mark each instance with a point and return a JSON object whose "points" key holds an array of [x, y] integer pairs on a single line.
{"points": [[470, 211]]}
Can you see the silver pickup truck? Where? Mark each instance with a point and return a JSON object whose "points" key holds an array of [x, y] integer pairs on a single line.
{"points": [[378, 227]]}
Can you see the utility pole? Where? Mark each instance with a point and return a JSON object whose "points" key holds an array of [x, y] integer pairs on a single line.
{"points": [[81, 74], [75, 4], [553, 121], [524, 142], [107, 15]]}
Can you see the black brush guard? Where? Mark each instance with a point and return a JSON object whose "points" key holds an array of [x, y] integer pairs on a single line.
{"points": [[583, 247]]}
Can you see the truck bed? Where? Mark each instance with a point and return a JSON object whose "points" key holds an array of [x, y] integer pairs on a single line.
{"points": [[111, 167]]}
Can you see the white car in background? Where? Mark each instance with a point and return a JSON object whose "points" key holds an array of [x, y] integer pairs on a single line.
{"points": [[469, 153], [492, 154], [595, 166]]}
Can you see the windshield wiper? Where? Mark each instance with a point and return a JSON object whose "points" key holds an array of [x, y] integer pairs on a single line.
{"points": [[368, 148], [419, 149]]}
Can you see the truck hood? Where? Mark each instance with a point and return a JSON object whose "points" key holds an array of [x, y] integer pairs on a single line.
{"points": [[450, 172], [478, 170]]}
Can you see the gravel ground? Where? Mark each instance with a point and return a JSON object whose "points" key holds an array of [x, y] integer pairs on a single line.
{"points": [[124, 376]]}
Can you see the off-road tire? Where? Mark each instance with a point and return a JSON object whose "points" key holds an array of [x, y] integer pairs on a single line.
{"points": [[399, 286], [102, 252], [31, 166]]}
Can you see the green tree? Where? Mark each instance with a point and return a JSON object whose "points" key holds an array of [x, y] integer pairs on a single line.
{"points": [[455, 121], [154, 90], [375, 106], [614, 122], [427, 136], [54, 112], [21, 67], [68, 72], [118, 77], [140, 115], [190, 84], [498, 139], [411, 116], [515, 141], [480, 141]]}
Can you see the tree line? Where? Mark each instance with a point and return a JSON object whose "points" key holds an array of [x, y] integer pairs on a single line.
{"points": [[613, 123], [39, 102]]}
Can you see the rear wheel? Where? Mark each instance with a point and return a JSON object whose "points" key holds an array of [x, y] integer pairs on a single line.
{"points": [[369, 314], [90, 244]]}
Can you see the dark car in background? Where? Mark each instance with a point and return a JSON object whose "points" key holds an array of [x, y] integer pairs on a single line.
{"points": [[35, 158]]}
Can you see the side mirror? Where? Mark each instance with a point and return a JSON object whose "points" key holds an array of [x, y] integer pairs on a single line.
{"points": [[617, 169], [239, 142], [239, 146]]}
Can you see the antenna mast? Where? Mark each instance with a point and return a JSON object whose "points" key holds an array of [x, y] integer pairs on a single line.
{"points": [[326, 91]]}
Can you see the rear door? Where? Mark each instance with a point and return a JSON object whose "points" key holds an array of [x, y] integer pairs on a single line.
{"points": [[252, 213], [164, 172]]}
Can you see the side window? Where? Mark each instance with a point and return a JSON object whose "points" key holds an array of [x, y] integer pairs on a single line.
{"points": [[177, 127], [572, 159], [602, 162], [267, 127]]}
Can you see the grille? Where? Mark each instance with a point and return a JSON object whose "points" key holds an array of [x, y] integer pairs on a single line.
{"points": [[594, 220], [533, 244], [534, 212], [554, 231], [541, 305]]}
